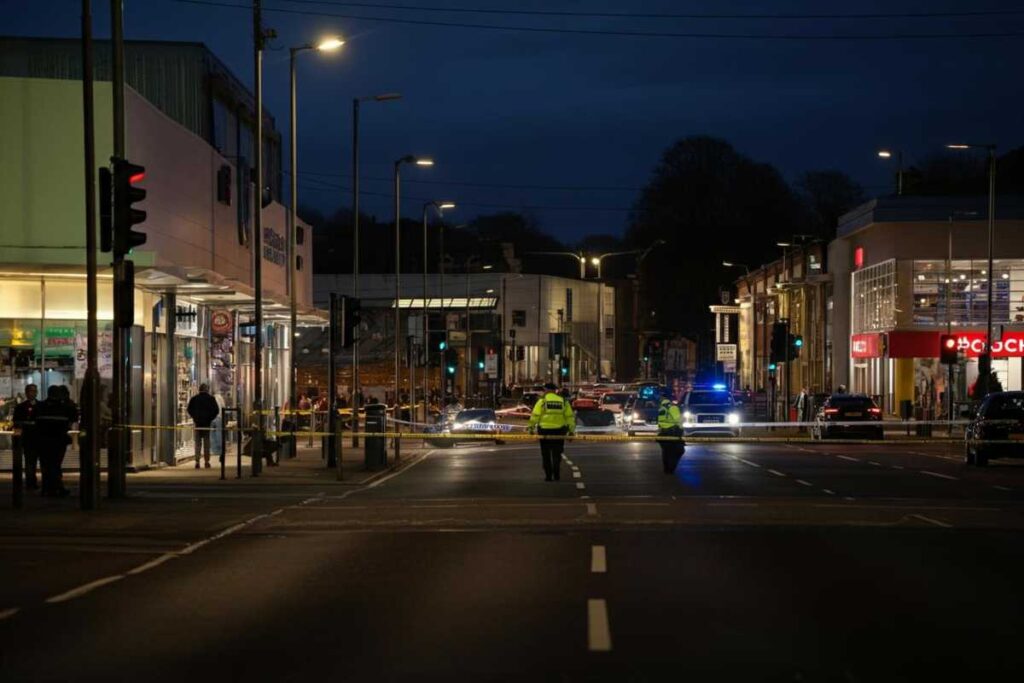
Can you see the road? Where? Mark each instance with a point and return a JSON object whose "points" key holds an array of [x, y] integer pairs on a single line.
{"points": [[750, 562]]}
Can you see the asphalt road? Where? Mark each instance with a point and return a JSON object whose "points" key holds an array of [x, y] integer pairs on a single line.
{"points": [[750, 562]]}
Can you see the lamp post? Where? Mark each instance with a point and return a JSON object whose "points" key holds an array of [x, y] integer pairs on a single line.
{"points": [[888, 154], [407, 159], [356, 101], [440, 206], [326, 45], [985, 360]]}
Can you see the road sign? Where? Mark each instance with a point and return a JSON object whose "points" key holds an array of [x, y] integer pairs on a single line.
{"points": [[456, 336], [491, 364], [725, 352]]}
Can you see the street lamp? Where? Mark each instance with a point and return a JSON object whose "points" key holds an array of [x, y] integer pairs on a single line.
{"points": [[985, 360], [440, 207], [888, 154], [730, 264], [326, 45], [418, 161], [356, 101]]}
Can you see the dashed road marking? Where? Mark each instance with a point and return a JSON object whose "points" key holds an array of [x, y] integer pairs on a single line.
{"points": [[599, 634], [777, 473], [849, 498], [1002, 488], [598, 560], [939, 475], [829, 492], [580, 485], [932, 521], [576, 474], [876, 464], [896, 467], [846, 457], [8, 613], [747, 462], [804, 483], [592, 509]]}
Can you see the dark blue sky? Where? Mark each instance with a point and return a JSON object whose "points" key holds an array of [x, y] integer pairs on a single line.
{"points": [[516, 108]]}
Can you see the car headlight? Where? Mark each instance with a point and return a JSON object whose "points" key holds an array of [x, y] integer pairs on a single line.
{"points": [[636, 416], [687, 415], [734, 418]]}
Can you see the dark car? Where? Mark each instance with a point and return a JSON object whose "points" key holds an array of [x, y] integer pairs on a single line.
{"points": [[1000, 418], [642, 416], [848, 415]]}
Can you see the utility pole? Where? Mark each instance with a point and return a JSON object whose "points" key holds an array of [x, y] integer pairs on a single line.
{"points": [[257, 245], [355, 267], [118, 445], [88, 465]]}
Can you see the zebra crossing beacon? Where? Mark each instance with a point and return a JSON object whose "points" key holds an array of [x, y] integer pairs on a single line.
{"points": [[552, 415]]}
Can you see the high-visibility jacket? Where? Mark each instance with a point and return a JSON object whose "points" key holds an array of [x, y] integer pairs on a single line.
{"points": [[668, 414], [552, 412]]}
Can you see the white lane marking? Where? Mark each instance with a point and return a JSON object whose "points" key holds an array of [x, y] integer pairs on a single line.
{"points": [[584, 497], [576, 474], [804, 483], [395, 474], [829, 492], [876, 464], [598, 560], [747, 462], [939, 475], [933, 521], [777, 473], [846, 457], [896, 467], [850, 498], [592, 509], [82, 590], [8, 613], [151, 564], [1002, 488], [568, 462], [580, 485], [599, 635]]}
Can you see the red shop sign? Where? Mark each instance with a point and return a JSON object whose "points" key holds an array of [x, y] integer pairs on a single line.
{"points": [[917, 344], [973, 344], [865, 346]]}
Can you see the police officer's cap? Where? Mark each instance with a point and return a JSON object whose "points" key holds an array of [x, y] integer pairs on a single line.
{"points": [[550, 386]]}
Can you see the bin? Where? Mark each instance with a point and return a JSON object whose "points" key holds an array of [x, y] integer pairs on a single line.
{"points": [[375, 450], [927, 416]]}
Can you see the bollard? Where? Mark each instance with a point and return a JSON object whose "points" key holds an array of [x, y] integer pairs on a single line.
{"points": [[223, 447], [238, 450], [339, 448], [17, 479]]}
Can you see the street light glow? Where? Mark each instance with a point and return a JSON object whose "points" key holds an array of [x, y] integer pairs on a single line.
{"points": [[387, 96], [783, 244], [958, 146], [328, 44], [446, 205], [487, 267], [884, 153], [424, 162], [595, 261]]}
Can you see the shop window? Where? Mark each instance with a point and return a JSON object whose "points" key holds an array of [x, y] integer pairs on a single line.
{"points": [[957, 294], [519, 318], [874, 298]]}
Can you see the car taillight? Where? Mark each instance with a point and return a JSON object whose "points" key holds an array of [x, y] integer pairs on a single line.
{"points": [[831, 411]]}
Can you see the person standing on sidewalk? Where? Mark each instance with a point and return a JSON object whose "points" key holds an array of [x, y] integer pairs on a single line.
{"points": [[552, 415], [203, 409], [53, 421], [24, 441]]}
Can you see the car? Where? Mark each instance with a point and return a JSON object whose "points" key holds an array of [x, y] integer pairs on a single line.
{"points": [[642, 416], [596, 421], [848, 415], [586, 404], [471, 421], [709, 411], [615, 401], [999, 418]]}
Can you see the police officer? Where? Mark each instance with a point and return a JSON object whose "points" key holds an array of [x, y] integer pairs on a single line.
{"points": [[25, 432], [668, 425], [53, 420], [552, 415]]}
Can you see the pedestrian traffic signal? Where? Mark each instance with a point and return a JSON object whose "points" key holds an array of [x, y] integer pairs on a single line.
{"points": [[779, 353], [351, 314], [948, 349], [451, 362], [126, 176], [772, 367], [796, 344], [564, 366]]}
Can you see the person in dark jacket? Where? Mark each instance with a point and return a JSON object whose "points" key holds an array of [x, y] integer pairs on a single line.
{"points": [[24, 441], [203, 410], [53, 421]]}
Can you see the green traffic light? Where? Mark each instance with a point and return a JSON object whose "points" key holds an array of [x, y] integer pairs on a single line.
{"points": [[451, 369], [442, 345]]}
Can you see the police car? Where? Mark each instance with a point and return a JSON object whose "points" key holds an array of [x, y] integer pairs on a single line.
{"points": [[473, 421], [710, 410]]}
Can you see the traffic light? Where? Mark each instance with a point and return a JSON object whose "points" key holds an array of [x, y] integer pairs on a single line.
{"points": [[796, 344], [481, 358], [947, 349], [125, 177], [437, 340], [772, 367], [351, 314], [451, 362], [563, 366], [779, 353]]}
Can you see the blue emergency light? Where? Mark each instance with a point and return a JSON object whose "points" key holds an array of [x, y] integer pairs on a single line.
{"points": [[718, 387]]}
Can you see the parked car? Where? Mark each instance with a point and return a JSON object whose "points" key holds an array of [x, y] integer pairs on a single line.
{"points": [[709, 411], [596, 421], [999, 418], [848, 415]]}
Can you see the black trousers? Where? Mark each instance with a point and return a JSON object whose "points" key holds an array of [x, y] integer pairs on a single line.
{"points": [[31, 458], [51, 461], [671, 451], [551, 450]]}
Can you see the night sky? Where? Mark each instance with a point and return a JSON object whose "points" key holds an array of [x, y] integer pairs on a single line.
{"points": [[517, 109]]}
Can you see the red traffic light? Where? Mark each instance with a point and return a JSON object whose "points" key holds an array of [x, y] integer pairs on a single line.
{"points": [[137, 178], [950, 343], [948, 349]]}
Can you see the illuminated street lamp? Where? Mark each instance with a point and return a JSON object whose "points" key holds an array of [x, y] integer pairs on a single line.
{"points": [[888, 154], [985, 360], [326, 45]]}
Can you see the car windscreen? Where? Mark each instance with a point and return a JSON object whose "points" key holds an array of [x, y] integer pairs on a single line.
{"points": [[709, 398], [617, 399], [851, 402], [645, 404], [1004, 408], [475, 416], [590, 417]]}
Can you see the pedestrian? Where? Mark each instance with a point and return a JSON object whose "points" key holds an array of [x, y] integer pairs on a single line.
{"points": [[552, 416], [203, 408], [802, 404], [53, 421], [673, 447], [24, 442]]}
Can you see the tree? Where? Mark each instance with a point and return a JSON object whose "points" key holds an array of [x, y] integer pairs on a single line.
{"points": [[828, 195], [708, 203]]}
